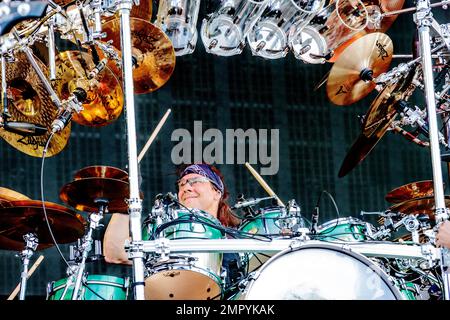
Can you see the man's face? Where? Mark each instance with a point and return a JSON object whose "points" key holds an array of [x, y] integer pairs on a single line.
{"points": [[200, 195]]}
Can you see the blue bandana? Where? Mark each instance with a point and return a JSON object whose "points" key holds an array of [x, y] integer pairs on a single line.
{"points": [[205, 170]]}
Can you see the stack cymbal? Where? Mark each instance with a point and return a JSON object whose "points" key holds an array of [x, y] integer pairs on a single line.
{"points": [[377, 121], [101, 172], [30, 102], [104, 102], [153, 53], [27, 216], [350, 77]]}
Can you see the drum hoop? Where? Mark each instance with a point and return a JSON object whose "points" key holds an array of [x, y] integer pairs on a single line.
{"points": [[198, 213], [340, 221], [370, 264], [117, 285]]}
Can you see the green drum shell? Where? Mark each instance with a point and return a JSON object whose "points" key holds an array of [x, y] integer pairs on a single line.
{"points": [[263, 224], [105, 288], [343, 229]]}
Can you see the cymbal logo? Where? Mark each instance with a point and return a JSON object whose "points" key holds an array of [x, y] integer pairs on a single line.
{"points": [[30, 140], [382, 53], [241, 146]]}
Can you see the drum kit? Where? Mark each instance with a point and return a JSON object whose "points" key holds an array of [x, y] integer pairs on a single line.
{"points": [[179, 252]]}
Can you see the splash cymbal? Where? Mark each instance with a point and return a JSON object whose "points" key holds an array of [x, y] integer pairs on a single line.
{"points": [[104, 102], [82, 194], [423, 205], [27, 216], [366, 58], [152, 50], [101, 172], [30, 102], [377, 121], [410, 191]]}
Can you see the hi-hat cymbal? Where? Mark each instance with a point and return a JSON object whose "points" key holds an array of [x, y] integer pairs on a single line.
{"points": [[366, 58], [30, 102], [410, 191], [27, 216], [424, 205], [377, 121], [101, 172], [152, 50], [82, 194], [104, 102]]}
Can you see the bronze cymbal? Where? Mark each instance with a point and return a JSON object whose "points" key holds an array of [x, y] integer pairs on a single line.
{"points": [[410, 191], [101, 172], [104, 102], [30, 102], [152, 50], [366, 58], [11, 195], [27, 216], [377, 121], [423, 205], [82, 194]]}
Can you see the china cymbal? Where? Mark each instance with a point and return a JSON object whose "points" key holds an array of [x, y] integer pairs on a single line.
{"points": [[410, 191], [377, 121], [366, 58], [30, 102], [27, 216], [424, 205], [153, 53], [101, 172], [82, 194], [104, 102]]}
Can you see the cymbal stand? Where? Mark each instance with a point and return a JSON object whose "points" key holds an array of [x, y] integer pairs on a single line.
{"points": [[5, 113], [31, 243], [136, 253], [94, 219], [424, 20]]}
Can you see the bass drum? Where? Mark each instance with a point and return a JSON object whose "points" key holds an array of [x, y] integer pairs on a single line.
{"points": [[320, 272]]}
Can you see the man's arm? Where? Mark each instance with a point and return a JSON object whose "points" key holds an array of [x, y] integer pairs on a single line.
{"points": [[114, 239], [443, 235]]}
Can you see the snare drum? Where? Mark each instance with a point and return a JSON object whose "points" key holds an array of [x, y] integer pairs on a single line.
{"points": [[345, 229], [99, 287], [320, 272], [188, 276]]}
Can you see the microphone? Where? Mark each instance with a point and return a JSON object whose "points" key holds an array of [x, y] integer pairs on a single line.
{"points": [[79, 95], [251, 202], [97, 69], [314, 220], [24, 128]]}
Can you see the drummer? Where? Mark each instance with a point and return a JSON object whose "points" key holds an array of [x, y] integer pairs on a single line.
{"points": [[200, 186], [443, 235]]}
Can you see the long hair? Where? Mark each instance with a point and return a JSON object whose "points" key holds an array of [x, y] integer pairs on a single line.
{"points": [[224, 213]]}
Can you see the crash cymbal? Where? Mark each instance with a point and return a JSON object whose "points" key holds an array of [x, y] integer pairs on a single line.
{"points": [[101, 172], [152, 50], [410, 191], [31, 103], [366, 58], [377, 121], [423, 205], [104, 102], [27, 216], [82, 194], [11, 195]]}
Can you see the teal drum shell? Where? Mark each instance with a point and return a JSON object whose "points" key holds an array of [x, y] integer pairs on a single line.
{"points": [[186, 276], [265, 223], [347, 229], [99, 287]]}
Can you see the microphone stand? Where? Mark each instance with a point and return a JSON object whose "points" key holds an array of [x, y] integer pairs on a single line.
{"points": [[423, 18], [135, 253], [5, 114], [31, 243]]}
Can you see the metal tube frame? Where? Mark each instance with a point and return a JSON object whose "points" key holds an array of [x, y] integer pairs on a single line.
{"points": [[134, 202]]}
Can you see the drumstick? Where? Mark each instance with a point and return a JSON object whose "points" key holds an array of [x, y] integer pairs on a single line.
{"points": [[153, 135], [30, 272], [263, 183]]}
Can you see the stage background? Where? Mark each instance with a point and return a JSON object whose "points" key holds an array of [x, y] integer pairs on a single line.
{"points": [[243, 91]]}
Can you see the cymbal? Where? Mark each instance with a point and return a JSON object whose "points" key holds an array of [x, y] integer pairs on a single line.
{"points": [[101, 172], [410, 191], [377, 121], [104, 102], [81, 194], [11, 195], [30, 102], [366, 58], [152, 50], [423, 205], [27, 216]]}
